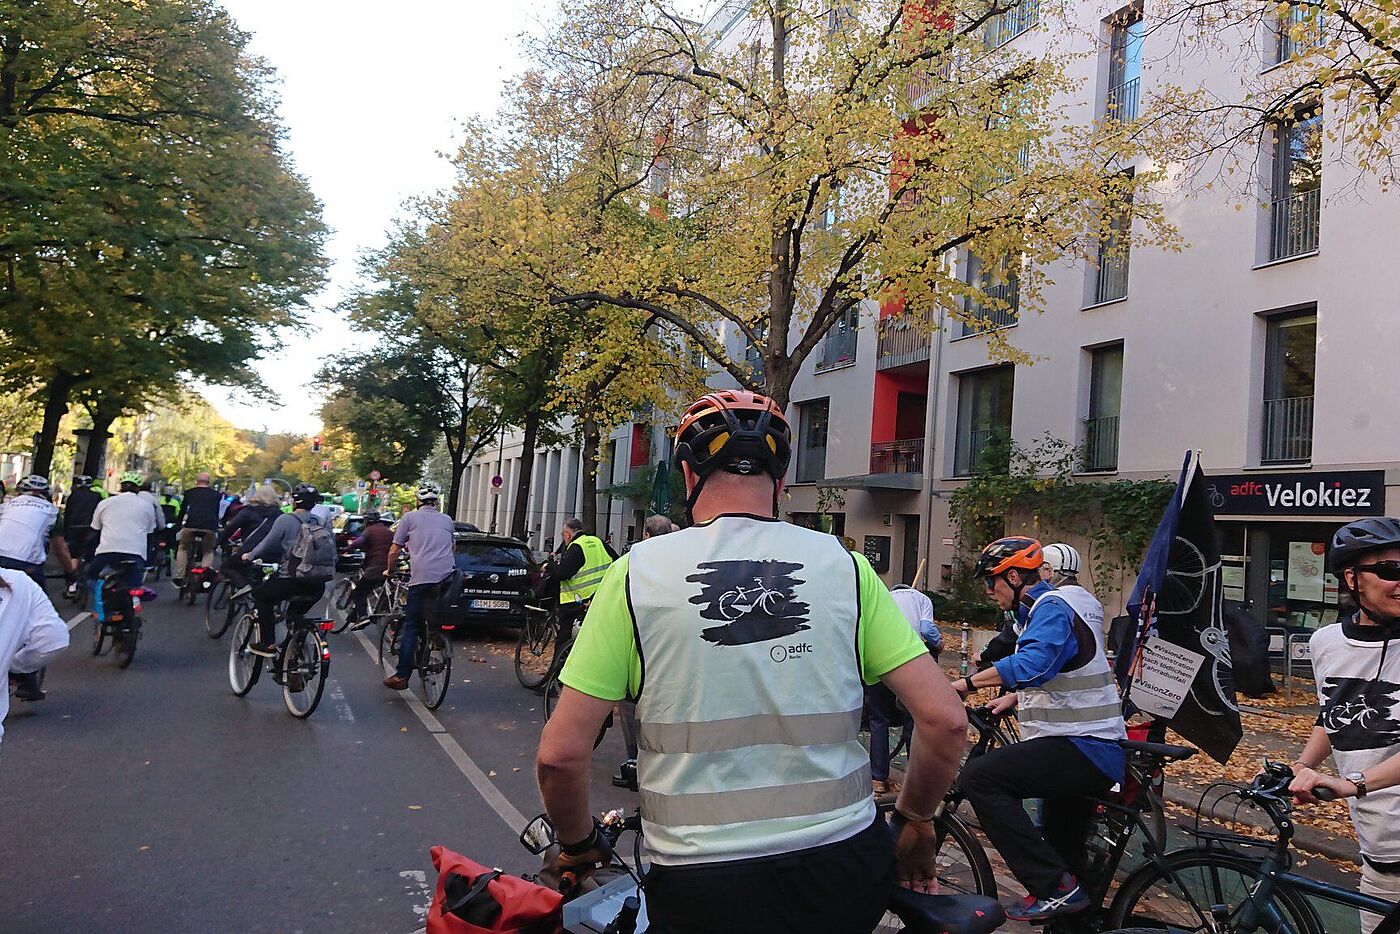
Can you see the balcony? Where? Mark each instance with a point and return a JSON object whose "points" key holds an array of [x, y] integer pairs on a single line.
{"points": [[1287, 430], [1294, 224], [906, 456], [904, 339], [1122, 102], [1111, 282], [838, 349], [1006, 26], [1101, 443]]}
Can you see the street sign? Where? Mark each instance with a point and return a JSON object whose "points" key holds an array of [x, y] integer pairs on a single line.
{"points": [[359, 484], [495, 491], [375, 475], [498, 481]]}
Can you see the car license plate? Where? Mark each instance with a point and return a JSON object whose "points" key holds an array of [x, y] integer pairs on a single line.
{"points": [[490, 604]]}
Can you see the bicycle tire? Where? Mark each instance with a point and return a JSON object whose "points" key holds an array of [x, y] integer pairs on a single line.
{"points": [[218, 610], [435, 670], [124, 645], [340, 603], [306, 663], [389, 641], [1156, 899], [99, 637], [243, 666], [539, 635]]}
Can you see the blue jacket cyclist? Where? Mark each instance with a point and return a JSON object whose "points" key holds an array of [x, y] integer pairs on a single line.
{"points": [[1071, 724]]}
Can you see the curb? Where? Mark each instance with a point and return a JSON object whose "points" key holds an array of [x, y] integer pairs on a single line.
{"points": [[1304, 837]]}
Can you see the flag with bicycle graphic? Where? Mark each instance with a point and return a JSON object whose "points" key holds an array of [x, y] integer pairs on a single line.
{"points": [[1179, 668]]}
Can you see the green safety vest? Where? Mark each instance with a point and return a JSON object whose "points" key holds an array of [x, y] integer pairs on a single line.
{"points": [[585, 583]]}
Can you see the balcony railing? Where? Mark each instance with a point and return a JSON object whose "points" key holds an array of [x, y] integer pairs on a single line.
{"points": [[1112, 281], [838, 348], [1006, 26], [904, 339], [1287, 430], [1294, 222], [1101, 443], [1122, 103], [897, 456], [988, 317]]}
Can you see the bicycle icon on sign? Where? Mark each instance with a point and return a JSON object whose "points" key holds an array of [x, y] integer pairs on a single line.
{"points": [[741, 601]]}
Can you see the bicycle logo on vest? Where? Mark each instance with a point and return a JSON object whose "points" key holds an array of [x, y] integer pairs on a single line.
{"points": [[1357, 713], [756, 601]]}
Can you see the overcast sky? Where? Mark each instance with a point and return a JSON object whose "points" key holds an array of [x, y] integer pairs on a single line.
{"points": [[373, 93]]}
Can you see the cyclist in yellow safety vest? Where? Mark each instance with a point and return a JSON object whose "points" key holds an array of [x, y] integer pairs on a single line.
{"points": [[583, 560]]}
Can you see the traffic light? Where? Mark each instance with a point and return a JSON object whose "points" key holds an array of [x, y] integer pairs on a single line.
{"points": [[316, 445]]}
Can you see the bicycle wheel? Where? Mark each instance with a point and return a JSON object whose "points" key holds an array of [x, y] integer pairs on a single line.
{"points": [[306, 662], [435, 670], [124, 644], [217, 617], [389, 641], [534, 651], [99, 637], [243, 666], [961, 868], [342, 602], [1180, 893]]}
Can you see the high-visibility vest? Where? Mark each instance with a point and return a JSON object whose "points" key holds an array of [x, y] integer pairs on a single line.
{"points": [[1082, 701], [751, 696], [585, 583]]}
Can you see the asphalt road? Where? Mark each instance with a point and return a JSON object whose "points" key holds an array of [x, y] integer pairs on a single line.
{"points": [[153, 800]]}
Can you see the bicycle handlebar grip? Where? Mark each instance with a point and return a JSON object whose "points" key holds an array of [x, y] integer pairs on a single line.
{"points": [[1323, 793]]}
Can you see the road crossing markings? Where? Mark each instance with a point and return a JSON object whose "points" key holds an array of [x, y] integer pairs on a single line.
{"points": [[483, 785]]}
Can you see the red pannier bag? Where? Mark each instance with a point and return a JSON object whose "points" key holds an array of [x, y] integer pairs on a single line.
{"points": [[472, 899]]}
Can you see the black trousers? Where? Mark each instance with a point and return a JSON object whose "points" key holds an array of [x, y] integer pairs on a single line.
{"points": [[1052, 768], [303, 595], [842, 888]]}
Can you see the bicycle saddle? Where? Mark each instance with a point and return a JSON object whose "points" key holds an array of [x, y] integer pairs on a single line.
{"points": [[947, 914], [1167, 751]]}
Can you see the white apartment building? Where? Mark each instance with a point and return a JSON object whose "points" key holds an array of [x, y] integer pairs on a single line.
{"points": [[1270, 343]]}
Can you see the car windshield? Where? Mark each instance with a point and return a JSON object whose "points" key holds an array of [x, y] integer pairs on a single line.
{"points": [[481, 553]]}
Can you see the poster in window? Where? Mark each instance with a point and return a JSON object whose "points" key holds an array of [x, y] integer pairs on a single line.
{"points": [[1305, 570], [1329, 589], [1232, 581]]}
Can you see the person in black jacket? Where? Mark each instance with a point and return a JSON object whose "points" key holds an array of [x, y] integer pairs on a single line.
{"points": [[246, 529], [77, 523], [198, 518]]}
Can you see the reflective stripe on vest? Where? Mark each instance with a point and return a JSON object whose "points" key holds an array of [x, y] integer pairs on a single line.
{"points": [[595, 564], [751, 694], [1083, 702]]}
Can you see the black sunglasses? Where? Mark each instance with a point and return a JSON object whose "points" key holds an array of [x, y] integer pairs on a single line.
{"points": [[989, 582], [1385, 570]]}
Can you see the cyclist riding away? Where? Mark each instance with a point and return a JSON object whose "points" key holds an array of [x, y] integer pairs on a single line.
{"points": [[77, 522], [1071, 723], [1061, 571], [247, 529], [30, 631], [376, 541], [300, 545], [1359, 720], [755, 790], [125, 523], [198, 518], [426, 534], [27, 527]]}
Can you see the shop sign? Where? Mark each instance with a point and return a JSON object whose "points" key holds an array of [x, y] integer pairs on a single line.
{"points": [[1331, 493]]}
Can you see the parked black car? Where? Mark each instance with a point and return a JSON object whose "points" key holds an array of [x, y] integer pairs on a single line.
{"points": [[348, 527], [496, 577]]}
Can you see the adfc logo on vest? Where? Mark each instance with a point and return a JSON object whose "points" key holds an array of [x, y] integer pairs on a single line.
{"points": [[755, 600]]}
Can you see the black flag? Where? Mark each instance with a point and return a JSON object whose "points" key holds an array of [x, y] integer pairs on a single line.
{"points": [[1180, 591]]}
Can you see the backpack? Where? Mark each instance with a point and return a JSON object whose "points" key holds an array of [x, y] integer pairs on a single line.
{"points": [[471, 899], [314, 551]]}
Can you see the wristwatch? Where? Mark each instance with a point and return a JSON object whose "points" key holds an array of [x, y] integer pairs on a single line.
{"points": [[1359, 780]]}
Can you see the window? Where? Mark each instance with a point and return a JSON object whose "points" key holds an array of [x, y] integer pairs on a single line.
{"points": [[1005, 26], [811, 447], [1105, 401], [1290, 369], [1297, 31], [640, 450], [984, 409], [1000, 286], [1111, 278], [753, 352], [839, 345], [833, 523], [1125, 31], [1297, 186]]}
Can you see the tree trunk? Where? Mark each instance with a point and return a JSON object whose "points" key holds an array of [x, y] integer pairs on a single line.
{"points": [[97, 444], [454, 491], [55, 407], [590, 477], [527, 469]]}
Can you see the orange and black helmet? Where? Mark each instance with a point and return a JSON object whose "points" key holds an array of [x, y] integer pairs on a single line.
{"points": [[1006, 553], [734, 430]]}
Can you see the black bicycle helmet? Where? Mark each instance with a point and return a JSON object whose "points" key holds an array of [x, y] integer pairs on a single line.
{"points": [[305, 496], [1354, 540], [736, 431]]}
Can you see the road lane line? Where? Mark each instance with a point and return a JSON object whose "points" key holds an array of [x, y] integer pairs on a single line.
{"points": [[483, 785], [85, 614]]}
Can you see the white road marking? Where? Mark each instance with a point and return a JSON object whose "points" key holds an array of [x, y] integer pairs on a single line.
{"points": [[483, 785], [85, 614], [342, 705]]}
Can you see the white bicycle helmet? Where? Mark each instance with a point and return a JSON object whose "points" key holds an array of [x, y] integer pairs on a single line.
{"points": [[1062, 558], [33, 484], [428, 492]]}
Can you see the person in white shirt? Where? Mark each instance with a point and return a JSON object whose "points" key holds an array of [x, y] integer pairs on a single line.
{"points": [[918, 609], [125, 522], [1061, 571], [30, 630], [27, 527]]}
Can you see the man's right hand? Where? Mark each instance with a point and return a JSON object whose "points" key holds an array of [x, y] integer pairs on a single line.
{"points": [[914, 853]]}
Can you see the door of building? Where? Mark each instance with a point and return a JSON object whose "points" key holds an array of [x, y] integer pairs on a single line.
{"points": [[910, 564]]}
